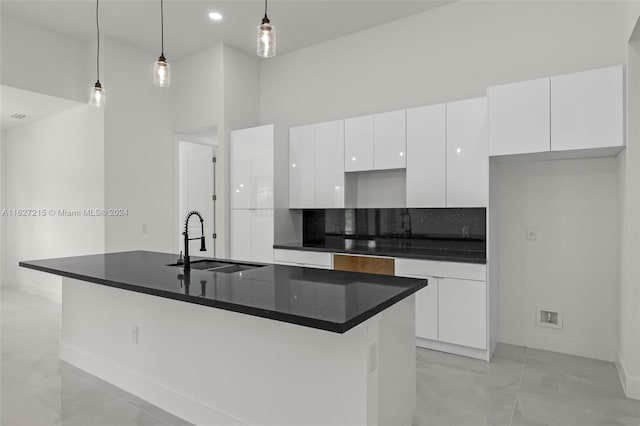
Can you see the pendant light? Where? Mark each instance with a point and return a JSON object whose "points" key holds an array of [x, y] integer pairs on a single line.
{"points": [[161, 68], [266, 37], [96, 93]]}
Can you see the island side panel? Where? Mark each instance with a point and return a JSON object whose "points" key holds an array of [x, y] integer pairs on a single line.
{"points": [[212, 366]]}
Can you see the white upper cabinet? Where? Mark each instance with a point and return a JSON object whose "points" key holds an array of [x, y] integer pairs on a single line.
{"points": [[358, 144], [302, 167], [519, 117], [252, 168], [467, 153], [426, 156], [587, 109], [329, 179], [389, 140]]}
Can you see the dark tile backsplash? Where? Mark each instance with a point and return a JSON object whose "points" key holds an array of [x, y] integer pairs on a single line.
{"points": [[459, 227]]}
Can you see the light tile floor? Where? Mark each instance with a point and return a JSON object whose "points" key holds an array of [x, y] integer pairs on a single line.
{"points": [[519, 387]]}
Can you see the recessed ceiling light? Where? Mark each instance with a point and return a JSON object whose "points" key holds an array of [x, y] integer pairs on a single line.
{"points": [[215, 16]]}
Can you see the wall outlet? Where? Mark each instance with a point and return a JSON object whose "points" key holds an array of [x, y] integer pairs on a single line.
{"points": [[466, 232], [134, 334], [532, 233], [548, 317]]}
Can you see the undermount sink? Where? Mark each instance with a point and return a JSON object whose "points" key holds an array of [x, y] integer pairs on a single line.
{"points": [[215, 266]]}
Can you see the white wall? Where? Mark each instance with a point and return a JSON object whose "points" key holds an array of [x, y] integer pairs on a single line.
{"points": [[571, 266], [54, 163], [456, 52], [217, 87], [139, 152], [629, 181], [41, 61]]}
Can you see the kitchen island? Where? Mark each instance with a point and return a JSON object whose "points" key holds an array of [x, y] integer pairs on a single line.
{"points": [[261, 345]]}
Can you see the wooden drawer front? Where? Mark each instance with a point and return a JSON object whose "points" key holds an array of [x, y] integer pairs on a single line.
{"points": [[430, 268], [368, 264], [302, 258]]}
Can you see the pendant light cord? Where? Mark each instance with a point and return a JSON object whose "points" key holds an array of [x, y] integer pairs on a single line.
{"points": [[162, 27], [265, 8], [98, 50]]}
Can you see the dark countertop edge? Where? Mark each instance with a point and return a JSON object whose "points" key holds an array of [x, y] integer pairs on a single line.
{"points": [[442, 258], [339, 328]]}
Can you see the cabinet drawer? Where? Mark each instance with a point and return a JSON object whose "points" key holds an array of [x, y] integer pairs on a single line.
{"points": [[366, 264], [302, 258], [431, 268]]}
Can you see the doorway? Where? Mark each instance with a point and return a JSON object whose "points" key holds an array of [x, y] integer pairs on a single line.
{"points": [[196, 189]]}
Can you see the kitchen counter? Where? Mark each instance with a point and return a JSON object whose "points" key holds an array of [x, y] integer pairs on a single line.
{"points": [[397, 250], [273, 345], [334, 301]]}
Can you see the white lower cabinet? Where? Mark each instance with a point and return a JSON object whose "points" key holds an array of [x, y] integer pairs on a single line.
{"points": [[462, 312], [252, 232], [427, 311], [311, 259], [452, 309]]}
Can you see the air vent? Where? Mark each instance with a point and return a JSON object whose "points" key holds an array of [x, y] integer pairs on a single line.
{"points": [[18, 116]]}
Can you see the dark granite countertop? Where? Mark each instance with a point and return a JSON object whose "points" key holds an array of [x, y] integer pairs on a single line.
{"points": [[364, 247], [334, 301]]}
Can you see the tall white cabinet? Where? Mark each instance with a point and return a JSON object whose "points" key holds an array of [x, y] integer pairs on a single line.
{"points": [[251, 171]]}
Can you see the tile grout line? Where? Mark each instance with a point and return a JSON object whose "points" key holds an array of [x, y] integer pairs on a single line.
{"points": [[515, 401]]}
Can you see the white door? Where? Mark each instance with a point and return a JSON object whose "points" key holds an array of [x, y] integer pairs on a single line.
{"points": [[587, 109], [426, 156], [240, 160], [462, 312], [389, 140], [262, 167], [427, 311], [241, 234], [358, 144], [262, 236], [519, 117], [330, 165], [467, 154], [196, 193], [302, 173]]}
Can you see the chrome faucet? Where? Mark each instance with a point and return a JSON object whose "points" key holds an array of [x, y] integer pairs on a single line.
{"points": [[187, 259]]}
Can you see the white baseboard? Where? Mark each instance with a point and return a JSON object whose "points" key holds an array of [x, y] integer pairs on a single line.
{"points": [[559, 343], [54, 295], [167, 399], [631, 385], [453, 349]]}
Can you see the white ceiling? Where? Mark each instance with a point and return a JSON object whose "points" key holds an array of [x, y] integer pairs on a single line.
{"points": [[34, 105], [188, 29]]}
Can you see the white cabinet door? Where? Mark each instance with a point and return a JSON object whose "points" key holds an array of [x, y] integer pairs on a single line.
{"points": [[467, 153], [389, 140], [358, 144], [241, 234], [302, 173], [240, 158], [519, 117], [262, 236], [330, 165], [462, 312], [427, 311], [426, 156], [587, 109], [262, 167]]}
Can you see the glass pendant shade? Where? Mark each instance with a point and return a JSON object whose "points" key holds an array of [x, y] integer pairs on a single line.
{"points": [[266, 40], [161, 72], [96, 96]]}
